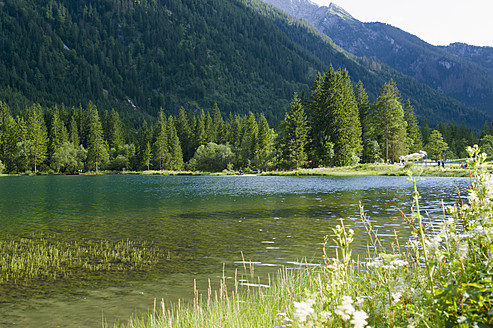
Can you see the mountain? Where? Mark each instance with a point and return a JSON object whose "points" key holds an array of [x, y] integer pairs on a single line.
{"points": [[139, 56], [464, 73], [482, 56]]}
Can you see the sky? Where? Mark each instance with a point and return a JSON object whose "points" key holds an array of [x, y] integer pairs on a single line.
{"points": [[439, 22]]}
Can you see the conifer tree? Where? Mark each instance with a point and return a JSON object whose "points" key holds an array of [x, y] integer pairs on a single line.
{"points": [[218, 131], [147, 155], [368, 135], [37, 135], [58, 132], [184, 133], [97, 148], [415, 142], [161, 153], [74, 132], [335, 119], [176, 155], [200, 130], [265, 138], [249, 143], [392, 128], [114, 134], [293, 136]]}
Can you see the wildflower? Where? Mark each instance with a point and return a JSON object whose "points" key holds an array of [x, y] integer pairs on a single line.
{"points": [[345, 309], [359, 319], [462, 250], [411, 323], [461, 319], [396, 297], [325, 315], [303, 309]]}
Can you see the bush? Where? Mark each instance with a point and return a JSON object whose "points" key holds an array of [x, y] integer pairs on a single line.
{"points": [[211, 158]]}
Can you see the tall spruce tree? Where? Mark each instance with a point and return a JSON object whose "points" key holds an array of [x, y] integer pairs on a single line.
{"points": [[97, 148], [415, 141], [392, 129], [293, 136], [37, 135], [184, 133], [335, 119], [161, 153], [249, 143], [370, 146], [174, 146]]}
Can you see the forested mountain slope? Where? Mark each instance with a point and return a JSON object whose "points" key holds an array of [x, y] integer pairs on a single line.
{"points": [[139, 56], [464, 73]]}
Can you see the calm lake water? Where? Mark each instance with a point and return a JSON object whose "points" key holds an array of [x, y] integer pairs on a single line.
{"points": [[201, 222]]}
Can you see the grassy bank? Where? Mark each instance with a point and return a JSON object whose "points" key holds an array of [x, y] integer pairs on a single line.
{"points": [[442, 277], [450, 170]]}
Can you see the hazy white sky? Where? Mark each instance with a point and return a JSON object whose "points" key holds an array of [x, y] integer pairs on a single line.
{"points": [[439, 22]]}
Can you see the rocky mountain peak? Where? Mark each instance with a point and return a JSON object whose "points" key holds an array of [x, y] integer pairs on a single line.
{"points": [[339, 11]]}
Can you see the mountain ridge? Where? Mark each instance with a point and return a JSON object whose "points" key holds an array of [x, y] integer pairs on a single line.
{"points": [[454, 70]]}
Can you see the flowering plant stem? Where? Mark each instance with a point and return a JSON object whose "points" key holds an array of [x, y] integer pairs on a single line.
{"points": [[422, 237]]}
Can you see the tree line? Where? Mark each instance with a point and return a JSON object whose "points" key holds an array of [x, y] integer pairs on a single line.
{"points": [[335, 125]]}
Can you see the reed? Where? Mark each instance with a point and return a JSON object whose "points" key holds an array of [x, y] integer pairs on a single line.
{"points": [[48, 258]]}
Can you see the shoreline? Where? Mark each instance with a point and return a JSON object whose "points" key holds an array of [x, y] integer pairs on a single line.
{"points": [[349, 171]]}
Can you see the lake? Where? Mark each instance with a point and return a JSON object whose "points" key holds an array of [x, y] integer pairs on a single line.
{"points": [[200, 223]]}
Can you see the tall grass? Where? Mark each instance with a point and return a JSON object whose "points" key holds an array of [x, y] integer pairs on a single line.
{"points": [[442, 277]]}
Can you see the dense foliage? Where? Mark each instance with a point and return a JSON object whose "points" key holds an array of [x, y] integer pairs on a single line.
{"points": [[334, 126]]}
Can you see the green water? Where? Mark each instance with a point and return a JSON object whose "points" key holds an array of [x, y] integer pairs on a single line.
{"points": [[198, 222]]}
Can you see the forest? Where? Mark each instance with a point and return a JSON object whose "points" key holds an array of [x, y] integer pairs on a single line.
{"points": [[334, 125], [138, 57]]}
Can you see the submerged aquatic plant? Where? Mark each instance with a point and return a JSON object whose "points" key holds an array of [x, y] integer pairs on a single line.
{"points": [[48, 258]]}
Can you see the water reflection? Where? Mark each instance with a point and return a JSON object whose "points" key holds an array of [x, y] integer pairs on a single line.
{"points": [[202, 222]]}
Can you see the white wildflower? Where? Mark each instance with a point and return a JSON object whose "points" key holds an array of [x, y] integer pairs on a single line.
{"points": [[461, 319], [325, 315], [303, 310], [411, 323], [462, 250], [359, 319], [398, 263], [286, 320], [396, 297], [345, 309]]}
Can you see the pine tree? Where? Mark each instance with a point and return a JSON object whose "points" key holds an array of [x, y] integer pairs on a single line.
{"points": [[161, 144], [335, 119], [265, 139], [58, 132], [415, 142], [249, 143], [293, 136], [176, 155], [184, 133], [114, 131], [370, 151], [392, 128], [218, 130], [37, 135], [97, 148], [147, 155]]}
